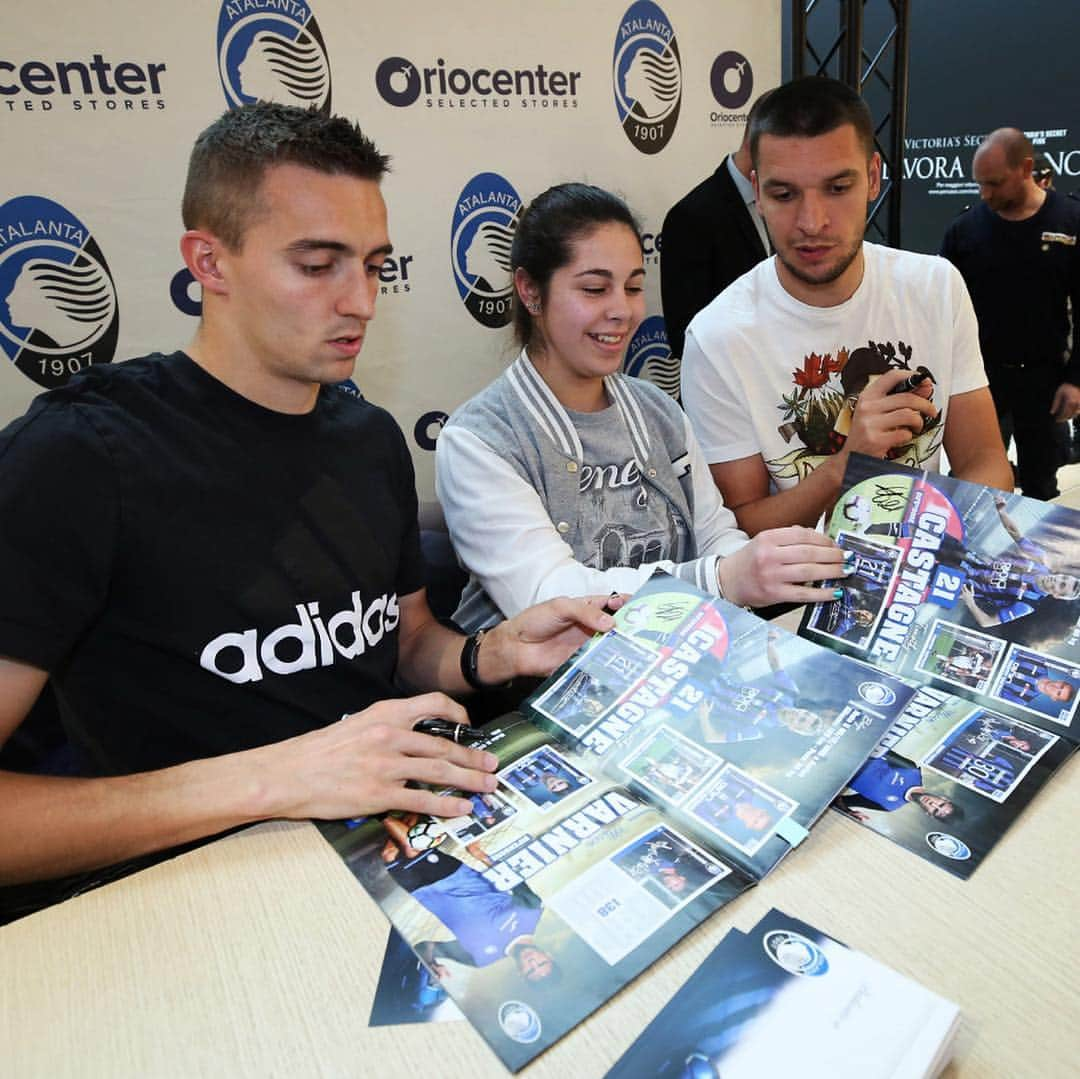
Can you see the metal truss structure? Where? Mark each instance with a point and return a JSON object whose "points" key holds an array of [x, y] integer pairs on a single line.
{"points": [[863, 43]]}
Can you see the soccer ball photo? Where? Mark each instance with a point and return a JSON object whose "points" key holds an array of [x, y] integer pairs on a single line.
{"points": [[426, 833]]}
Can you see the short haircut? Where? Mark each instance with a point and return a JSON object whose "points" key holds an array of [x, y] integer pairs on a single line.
{"points": [[231, 156], [1015, 145], [755, 108], [809, 107], [546, 233]]}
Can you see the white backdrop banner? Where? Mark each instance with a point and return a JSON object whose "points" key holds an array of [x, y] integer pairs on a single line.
{"points": [[481, 108]]}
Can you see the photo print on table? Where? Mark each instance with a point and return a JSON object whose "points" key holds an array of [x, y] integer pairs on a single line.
{"points": [[1037, 683], [489, 811], [668, 866], [739, 808], [855, 616], [544, 777], [669, 765], [960, 656], [595, 682], [989, 753]]}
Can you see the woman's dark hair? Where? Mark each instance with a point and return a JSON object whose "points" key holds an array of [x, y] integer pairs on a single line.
{"points": [[548, 230]]}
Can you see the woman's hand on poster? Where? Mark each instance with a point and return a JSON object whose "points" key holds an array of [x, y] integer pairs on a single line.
{"points": [[781, 565]]}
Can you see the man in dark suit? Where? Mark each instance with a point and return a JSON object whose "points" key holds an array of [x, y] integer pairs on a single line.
{"points": [[710, 237]]}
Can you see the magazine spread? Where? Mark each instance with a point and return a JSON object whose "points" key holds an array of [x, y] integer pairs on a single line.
{"points": [[968, 593], [785, 999], [558, 889], [737, 730], [949, 778], [959, 586], [672, 762]]}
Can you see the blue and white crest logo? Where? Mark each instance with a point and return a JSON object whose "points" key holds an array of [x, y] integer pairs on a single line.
{"points": [[58, 309], [876, 694], [948, 845], [795, 953], [647, 76], [272, 50], [519, 1021], [481, 236], [649, 356]]}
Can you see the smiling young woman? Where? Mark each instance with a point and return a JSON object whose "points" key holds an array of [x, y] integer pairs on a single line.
{"points": [[566, 477]]}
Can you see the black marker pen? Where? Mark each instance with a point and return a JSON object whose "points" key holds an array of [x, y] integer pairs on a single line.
{"points": [[912, 381], [461, 733]]}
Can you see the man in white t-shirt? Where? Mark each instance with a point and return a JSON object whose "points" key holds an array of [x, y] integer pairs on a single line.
{"points": [[790, 368]]}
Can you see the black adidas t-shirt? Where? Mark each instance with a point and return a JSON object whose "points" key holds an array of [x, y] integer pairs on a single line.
{"points": [[1021, 275], [200, 574]]}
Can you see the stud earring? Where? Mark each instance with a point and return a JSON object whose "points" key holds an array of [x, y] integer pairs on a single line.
{"points": [[533, 308]]}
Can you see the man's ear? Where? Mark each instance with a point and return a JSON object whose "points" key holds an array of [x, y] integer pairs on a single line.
{"points": [[873, 175], [202, 253]]}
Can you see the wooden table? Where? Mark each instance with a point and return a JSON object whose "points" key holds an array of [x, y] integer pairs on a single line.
{"points": [[258, 956]]}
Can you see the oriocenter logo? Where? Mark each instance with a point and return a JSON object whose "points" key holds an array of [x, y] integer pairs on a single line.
{"points": [[651, 245], [428, 426], [92, 84], [445, 85], [185, 297], [649, 356], [647, 77], [58, 309], [731, 80], [481, 236], [394, 274], [272, 50]]}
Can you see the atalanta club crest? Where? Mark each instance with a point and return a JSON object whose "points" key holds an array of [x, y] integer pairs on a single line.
{"points": [[795, 953], [647, 77], [272, 55], [481, 236], [58, 307], [877, 694], [649, 356], [948, 845]]}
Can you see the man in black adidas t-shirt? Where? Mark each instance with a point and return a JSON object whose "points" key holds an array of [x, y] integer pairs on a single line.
{"points": [[213, 555], [1017, 251]]}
